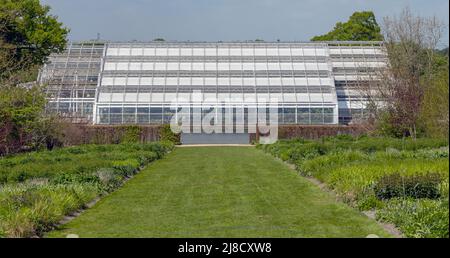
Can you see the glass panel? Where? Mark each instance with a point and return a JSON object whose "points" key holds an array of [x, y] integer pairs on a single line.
{"points": [[129, 110], [156, 110], [103, 118], [116, 119], [116, 110], [88, 108], [289, 115], [89, 94], [155, 118], [64, 107], [303, 116], [129, 119], [143, 110], [168, 114], [316, 116], [328, 119], [143, 119], [328, 115], [280, 116], [52, 106]]}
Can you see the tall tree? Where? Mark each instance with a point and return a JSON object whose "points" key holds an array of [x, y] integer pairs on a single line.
{"points": [[28, 35], [362, 26], [410, 43]]}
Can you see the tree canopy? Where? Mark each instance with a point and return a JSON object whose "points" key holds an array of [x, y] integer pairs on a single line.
{"points": [[362, 26], [28, 35]]}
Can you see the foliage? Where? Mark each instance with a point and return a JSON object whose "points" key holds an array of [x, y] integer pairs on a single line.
{"points": [[109, 179], [29, 34], [77, 161], [132, 134], [361, 26], [126, 168], [435, 106], [209, 191], [30, 209], [416, 186], [368, 202], [387, 126], [166, 134], [354, 180], [421, 218], [23, 124], [39, 188], [410, 44], [303, 148], [368, 172]]}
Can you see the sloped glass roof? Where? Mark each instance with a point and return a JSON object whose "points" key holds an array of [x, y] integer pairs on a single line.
{"points": [[138, 83]]}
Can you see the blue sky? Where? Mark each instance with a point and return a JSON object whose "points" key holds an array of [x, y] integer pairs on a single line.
{"points": [[226, 20]]}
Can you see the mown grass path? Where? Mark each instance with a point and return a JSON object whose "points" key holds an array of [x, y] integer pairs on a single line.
{"points": [[219, 192]]}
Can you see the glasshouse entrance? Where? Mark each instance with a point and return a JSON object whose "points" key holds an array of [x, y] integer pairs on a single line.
{"points": [[224, 138]]}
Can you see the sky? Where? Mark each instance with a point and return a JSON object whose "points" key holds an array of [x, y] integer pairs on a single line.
{"points": [[224, 20]]}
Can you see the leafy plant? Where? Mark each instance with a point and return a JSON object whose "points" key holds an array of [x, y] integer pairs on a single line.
{"points": [[416, 186], [132, 134], [362, 26], [166, 134], [126, 168], [376, 173], [418, 218], [39, 188]]}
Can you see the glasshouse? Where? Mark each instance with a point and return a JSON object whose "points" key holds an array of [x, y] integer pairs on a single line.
{"points": [[149, 83]]}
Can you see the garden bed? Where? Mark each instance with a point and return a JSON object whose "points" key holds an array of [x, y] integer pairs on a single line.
{"points": [[404, 181], [39, 189]]}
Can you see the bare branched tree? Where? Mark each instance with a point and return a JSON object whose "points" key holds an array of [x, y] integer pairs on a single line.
{"points": [[411, 43]]}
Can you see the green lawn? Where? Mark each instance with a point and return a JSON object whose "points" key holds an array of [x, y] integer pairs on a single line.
{"points": [[219, 192]]}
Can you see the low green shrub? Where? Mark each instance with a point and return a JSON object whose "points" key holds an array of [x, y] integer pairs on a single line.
{"points": [[70, 178], [353, 179], [17, 176], [166, 134], [368, 202], [27, 159], [89, 159], [132, 134], [416, 186], [372, 173], [432, 153], [126, 168], [109, 179], [325, 163], [421, 218], [28, 209], [38, 189], [76, 150], [3, 179], [146, 158], [444, 188]]}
